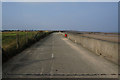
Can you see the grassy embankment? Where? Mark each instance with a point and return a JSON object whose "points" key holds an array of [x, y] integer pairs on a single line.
{"points": [[16, 41]]}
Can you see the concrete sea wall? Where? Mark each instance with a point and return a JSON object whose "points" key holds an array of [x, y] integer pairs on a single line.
{"points": [[105, 48]]}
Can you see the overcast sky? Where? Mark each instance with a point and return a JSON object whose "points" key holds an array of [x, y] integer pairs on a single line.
{"points": [[80, 16]]}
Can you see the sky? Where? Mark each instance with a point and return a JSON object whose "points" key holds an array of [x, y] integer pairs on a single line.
{"points": [[0, 16], [79, 16], [60, 0]]}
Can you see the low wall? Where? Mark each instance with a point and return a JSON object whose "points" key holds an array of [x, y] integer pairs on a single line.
{"points": [[107, 49]]}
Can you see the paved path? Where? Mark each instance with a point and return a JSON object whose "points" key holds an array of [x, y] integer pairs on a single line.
{"points": [[56, 54]]}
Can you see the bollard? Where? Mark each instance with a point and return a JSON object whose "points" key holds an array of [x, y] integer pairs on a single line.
{"points": [[66, 35]]}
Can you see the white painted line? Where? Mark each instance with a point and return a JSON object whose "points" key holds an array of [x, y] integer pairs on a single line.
{"points": [[51, 72], [52, 55]]}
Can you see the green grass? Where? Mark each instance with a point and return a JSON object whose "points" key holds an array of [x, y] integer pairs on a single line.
{"points": [[9, 38]]}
